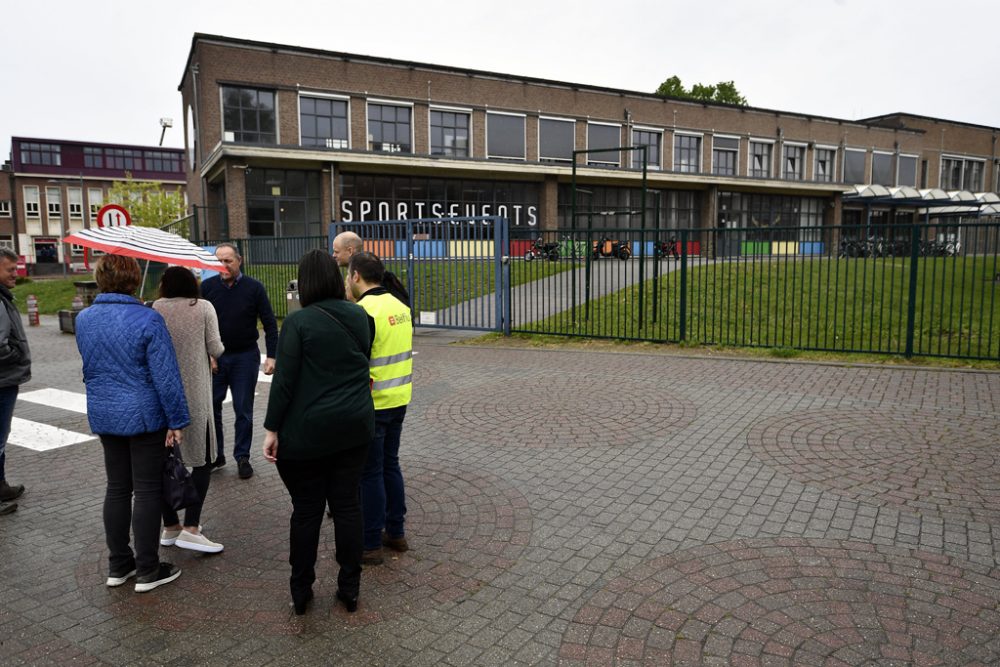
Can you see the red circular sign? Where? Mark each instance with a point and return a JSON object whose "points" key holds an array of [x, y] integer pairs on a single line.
{"points": [[113, 215]]}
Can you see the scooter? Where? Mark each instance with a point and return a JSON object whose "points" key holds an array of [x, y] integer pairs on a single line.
{"points": [[607, 247]]}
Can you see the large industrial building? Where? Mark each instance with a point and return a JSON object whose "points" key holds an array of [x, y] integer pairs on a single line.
{"points": [[285, 139]]}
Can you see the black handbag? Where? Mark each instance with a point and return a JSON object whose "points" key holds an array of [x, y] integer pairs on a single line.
{"points": [[178, 485]]}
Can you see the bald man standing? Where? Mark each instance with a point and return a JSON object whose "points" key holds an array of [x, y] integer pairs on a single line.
{"points": [[345, 244]]}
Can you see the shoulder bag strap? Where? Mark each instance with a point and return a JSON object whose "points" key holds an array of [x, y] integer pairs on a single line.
{"points": [[349, 332]]}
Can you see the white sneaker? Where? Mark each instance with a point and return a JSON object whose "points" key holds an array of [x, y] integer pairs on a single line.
{"points": [[168, 537], [197, 542]]}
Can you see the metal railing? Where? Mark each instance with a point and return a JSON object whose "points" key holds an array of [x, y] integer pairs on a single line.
{"points": [[927, 290], [912, 290]]}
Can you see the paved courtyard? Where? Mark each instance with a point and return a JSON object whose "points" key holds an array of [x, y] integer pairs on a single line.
{"points": [[566, 507]]}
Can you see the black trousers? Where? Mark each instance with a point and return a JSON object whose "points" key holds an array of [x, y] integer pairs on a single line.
{"points": [[134, 466], [312, 485]]}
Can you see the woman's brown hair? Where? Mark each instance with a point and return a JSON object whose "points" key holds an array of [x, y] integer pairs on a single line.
{"points": [[117, 274]]}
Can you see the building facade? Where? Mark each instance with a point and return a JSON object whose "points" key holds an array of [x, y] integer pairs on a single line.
{"points": [[287, 140], [50, 188]]}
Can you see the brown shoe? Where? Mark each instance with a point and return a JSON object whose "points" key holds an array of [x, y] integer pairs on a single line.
{"points": [[395, 543], [372, 557]]}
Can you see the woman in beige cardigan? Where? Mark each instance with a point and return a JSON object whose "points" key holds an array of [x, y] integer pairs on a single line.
{"points": [[194, 328]]}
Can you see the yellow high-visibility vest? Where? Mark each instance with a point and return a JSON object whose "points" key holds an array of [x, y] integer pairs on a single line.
{"points": [[391, 365]]}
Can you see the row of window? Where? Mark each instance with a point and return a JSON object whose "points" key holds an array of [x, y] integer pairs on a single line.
{"points": [[249, 115], [104, 158], [129, 159], [54, 202]]}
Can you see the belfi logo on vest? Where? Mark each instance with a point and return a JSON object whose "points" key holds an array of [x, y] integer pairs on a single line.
{"points": [[399, 318]]}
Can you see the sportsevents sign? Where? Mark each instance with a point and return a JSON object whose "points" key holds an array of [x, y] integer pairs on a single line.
{"points": [[367, 198], [366, 210]]}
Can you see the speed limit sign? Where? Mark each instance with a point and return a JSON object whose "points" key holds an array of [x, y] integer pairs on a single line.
{"points": [[113, 215]]}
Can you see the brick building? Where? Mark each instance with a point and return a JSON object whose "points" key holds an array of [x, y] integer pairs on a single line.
{"points": [[287, 139], [50, 188]]}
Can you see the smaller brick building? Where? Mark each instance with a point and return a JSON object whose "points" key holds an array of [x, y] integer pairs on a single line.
{"points": [[50, 188]]}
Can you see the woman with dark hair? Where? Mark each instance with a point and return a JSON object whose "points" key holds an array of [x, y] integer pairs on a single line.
{"points": [[136, 405], [383, 497], [194, 329], [319, 423]]}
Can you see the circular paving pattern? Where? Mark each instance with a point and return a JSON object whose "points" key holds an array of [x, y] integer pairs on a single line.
{"points": [[792, 602], [464, 527], [562, 411], [945, 465]]}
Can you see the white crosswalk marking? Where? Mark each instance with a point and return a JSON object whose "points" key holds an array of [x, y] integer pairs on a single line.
{"points": [[57, 398], [42, 437]]}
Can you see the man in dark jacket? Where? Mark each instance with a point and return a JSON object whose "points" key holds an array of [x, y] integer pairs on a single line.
{"points": [[15, 369], [239, 301]]}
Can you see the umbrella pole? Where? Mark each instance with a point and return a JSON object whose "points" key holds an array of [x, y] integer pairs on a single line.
{"points": [[142, 287]]}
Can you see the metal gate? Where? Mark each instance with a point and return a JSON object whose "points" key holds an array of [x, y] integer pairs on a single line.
{"points": [[456, 269]]}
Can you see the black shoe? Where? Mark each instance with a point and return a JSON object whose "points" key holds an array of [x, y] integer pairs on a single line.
{"points": [[244, 467], [350, 603], [218, 463], [162, 575], [7, 508], [8, 492], [302, 603], [118, 578]]}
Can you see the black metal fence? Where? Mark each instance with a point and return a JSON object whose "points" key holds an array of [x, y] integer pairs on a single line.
{"points": [[913, 290], [928, 290]]}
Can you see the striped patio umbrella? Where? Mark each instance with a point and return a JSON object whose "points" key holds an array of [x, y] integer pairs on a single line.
{"points": [[146, 243]]}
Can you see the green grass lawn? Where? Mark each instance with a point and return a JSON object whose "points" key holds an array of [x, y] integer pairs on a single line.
{"points": [[53, 294], [438, 283], [812, 304]]}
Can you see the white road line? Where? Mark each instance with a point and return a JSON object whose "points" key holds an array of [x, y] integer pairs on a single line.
{"points": [[57, 398], [42, 437]]}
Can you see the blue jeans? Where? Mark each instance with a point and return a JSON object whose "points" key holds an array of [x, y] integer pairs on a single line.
{"points": [[383, 499], [8, 397], [238, 373]]}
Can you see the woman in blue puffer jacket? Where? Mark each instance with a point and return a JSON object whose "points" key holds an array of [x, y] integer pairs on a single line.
{"points": [[136, 404]]}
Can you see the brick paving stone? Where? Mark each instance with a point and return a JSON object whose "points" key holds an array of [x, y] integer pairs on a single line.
{"points": [[566, 507]]}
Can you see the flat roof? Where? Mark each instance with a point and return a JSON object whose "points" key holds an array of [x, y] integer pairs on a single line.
{"points": [[274, 47]]}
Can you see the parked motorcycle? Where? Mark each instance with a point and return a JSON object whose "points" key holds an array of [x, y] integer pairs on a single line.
{"points": [[540, 249]]}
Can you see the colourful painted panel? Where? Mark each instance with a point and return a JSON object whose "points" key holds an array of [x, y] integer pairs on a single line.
{"points": [[425, 249], [470, 248], [519, 246], [785, 248], [382, 247], [755, 248], [812, 248]]}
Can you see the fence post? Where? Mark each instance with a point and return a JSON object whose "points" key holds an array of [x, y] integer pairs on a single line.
{"points": [[684, 256], [911, 306]]}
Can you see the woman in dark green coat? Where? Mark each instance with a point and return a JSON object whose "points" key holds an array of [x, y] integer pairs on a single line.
{"points": [[319, 422]]}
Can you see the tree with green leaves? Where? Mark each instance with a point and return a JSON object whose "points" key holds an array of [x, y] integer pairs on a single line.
{"points": [[148, 204], [724, 91]]}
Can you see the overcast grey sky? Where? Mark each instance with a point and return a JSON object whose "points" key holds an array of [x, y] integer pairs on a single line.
{"points": [[107, 70]]}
